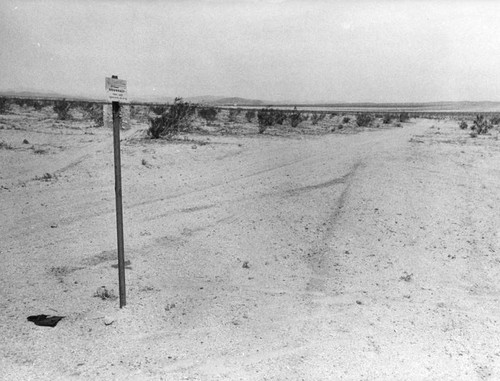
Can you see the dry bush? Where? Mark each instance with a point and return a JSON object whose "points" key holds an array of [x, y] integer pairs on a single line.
{"points": [[208, 113], [94, 112], [346, 119], [4, 105], [404, 117], [480, 125], [463, 125], [495, 120], [177, 119], [233, 114], [295, 118], [159, 109], [38, 105], [387, 118], [363, 120], [249, 115], [317, 117], [4, 145], [61, 108], [266, 119]]}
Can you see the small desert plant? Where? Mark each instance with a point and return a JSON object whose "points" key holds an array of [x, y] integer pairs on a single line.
{"points": [[316, 117], [480, 125], [495, 120], [332, 115], [177, 119], [4, 105], [266, 119], [463, 125], [387, 118], [94, 112], [404, 117], [279, 116], [159, 109], [61, 108], [4, 145], [208, 113], [46, 177], [233, 113], [39, 151], [249, 115], [295, 118], [37, 105], [363, 120], [346, 119]]}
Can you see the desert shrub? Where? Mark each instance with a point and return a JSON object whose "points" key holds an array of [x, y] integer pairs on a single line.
{"points": [[159, 109], [177, 119], [233, 113], [94, 112], [495, 120], [4, 105], [404, 117], [316, 117], [208, 113], [346, 119], [4, 145], [249, 115], [266, 119], [295, 118], [463, 125], [363, 119], [480, 125], [61, 108], [38, 105], [387, 118], [332, 115], [279, 116]]}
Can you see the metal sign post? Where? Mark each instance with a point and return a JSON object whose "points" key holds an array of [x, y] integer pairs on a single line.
{"points": [[117, 92]]}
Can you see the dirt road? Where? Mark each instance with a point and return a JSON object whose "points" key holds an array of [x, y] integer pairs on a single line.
{"points": [[372, 256]]}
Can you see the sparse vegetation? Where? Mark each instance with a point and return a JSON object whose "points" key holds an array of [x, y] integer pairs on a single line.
{"points": [[316, 117], [279, 116], [177, 119], [4, 145], [480, 125], [495, 121], [94, 111], [61, 108], [38, 151], [159, 109], [387, 118], [463, 125], [363, 120], [295, 118], [266, 119], [38, 106], [250, 115], [404, 117], [233, 113], [46, 177], [208, 113], [4, 105]]}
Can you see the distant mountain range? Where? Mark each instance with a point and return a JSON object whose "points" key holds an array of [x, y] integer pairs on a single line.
{"points": [[471, 106]]}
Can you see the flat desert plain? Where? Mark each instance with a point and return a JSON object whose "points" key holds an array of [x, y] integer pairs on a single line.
{"points": [[372, 255]]}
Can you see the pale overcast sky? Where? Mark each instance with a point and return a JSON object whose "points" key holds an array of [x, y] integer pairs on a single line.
{"points": [[338, 51]]}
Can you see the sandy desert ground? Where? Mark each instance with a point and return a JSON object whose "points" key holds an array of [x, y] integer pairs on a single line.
{"points": [[347, 256]]}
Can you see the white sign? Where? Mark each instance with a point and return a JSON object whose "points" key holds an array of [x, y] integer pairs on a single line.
{"points": [[116, 90]]}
